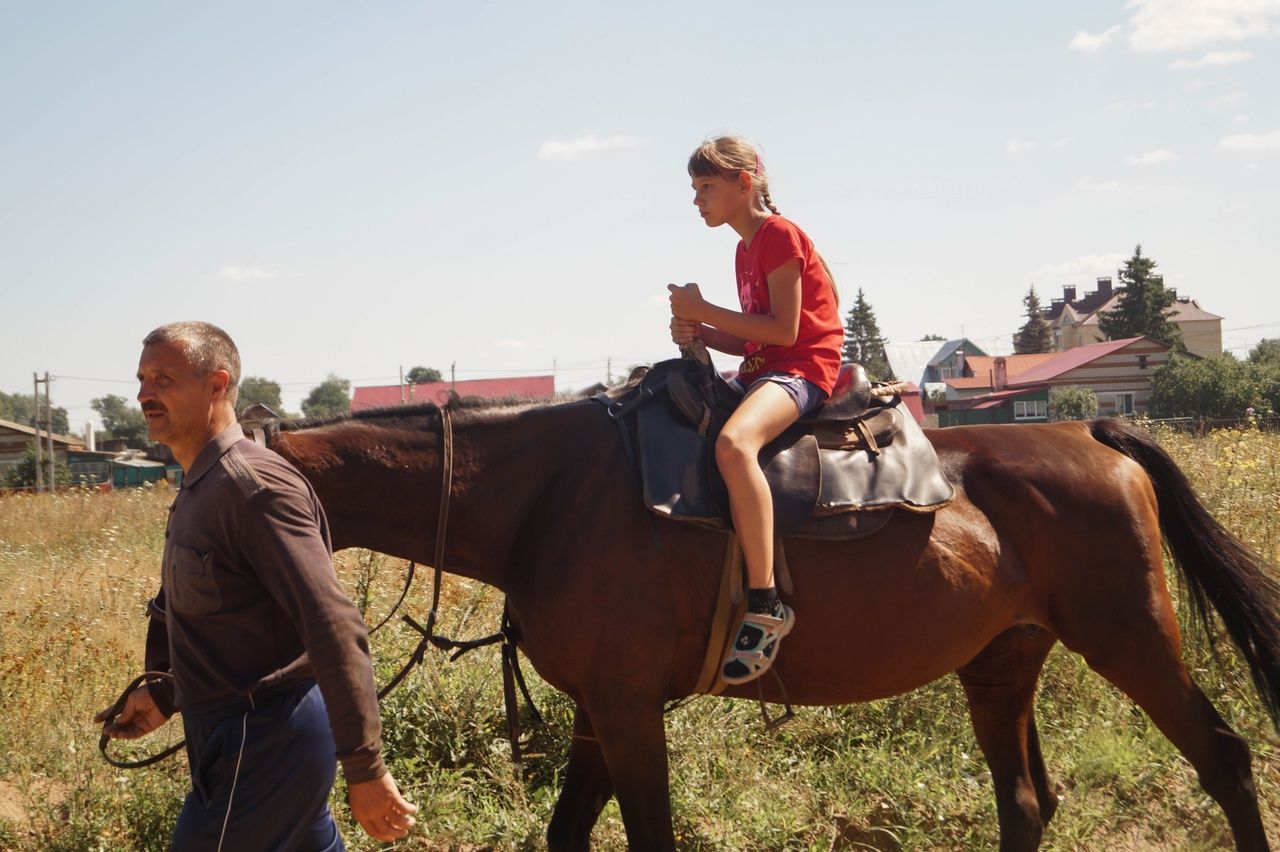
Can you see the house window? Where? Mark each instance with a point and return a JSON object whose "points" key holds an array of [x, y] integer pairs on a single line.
{"points": [[1142, 362], [1124, 403], [1030, 409], [944, 373]]}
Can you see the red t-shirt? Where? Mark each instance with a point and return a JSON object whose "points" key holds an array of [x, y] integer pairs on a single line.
{"points": [[816, 353]]}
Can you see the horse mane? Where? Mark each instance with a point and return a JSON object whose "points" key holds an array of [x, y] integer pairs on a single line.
{"points": [[425, 410]]}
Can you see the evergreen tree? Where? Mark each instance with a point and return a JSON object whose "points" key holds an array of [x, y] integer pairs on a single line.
{"points": [[863, 342], [1144, 306], [1033, 337]]}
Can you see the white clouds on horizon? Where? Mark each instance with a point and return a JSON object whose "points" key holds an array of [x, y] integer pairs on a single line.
{"points": [[510, 344], [246, 273], [1086, 42], [572, 149], [1212, 58], [1152, 158], [1020, 146], [1251, 142], [1159, 26]]}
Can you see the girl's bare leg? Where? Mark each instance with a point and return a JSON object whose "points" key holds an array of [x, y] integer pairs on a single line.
{"points": [[762, 416]]}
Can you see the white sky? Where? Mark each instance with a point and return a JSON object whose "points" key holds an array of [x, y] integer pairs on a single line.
{"points": [[350, 188]]}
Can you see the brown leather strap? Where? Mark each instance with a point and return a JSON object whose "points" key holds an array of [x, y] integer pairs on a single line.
{"points": [[781, 570], [727, 603]]}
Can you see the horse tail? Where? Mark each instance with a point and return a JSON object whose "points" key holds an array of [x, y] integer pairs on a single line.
{"points": [[1217, 568]]}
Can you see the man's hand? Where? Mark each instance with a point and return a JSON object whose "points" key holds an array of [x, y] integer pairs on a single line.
{"points": [[686, 302], [139, 717], [379, 808], [683, 331]]}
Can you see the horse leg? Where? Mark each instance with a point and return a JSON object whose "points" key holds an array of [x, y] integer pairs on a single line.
{"points": [[632, 737], [587, 787], [1139, 651], [1000, 684]]}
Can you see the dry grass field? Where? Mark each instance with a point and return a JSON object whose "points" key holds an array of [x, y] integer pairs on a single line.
{"points": [[76, 569]]}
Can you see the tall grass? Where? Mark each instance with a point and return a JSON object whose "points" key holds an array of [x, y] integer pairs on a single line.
{"points": [[77, 568]]}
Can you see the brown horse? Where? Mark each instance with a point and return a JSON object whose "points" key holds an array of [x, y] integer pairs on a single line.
{"points": [[1055, 535]]}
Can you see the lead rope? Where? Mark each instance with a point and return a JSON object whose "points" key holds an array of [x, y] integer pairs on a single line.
{"points": [[512, 676]]}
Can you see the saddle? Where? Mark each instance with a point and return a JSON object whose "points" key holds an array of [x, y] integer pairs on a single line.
{"points": [[836, 474]]}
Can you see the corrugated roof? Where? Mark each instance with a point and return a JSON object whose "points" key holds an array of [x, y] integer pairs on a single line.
{"points": [[523, 387], [1065, 362], [28, 430]]}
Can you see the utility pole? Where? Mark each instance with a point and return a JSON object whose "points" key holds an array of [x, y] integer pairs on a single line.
{"points": [[608, 371], [48, 420], [402, 384], [453, 375], [35, 422]]}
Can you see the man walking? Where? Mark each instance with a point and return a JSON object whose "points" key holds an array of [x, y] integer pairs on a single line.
{"points": [[270, 660]]}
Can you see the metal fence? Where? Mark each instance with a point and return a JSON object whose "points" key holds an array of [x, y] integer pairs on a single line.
{"points": [[1203, 425]]}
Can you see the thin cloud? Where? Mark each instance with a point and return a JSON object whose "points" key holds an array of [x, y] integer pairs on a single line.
{"points": [[1152, 158], [1242, 119], [1251, 142], [1231, 99], [1063, 142], [1160, 26], [1130, 106], [509, 344], [1019, 146], [1089, 265], [572, 149], [1086, 42], [1212, 58], [246, 273], [1092, 185]]}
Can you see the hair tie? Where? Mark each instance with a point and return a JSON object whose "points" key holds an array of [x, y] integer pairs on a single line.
{"points": [[759, 165]]}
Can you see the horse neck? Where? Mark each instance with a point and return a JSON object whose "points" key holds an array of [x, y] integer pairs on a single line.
{"points": [[381, 484]]}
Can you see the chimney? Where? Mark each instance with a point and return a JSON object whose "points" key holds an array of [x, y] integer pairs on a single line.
{"points": [[1104, 287], [1069, 294], [88, 437], [1001, 379]]}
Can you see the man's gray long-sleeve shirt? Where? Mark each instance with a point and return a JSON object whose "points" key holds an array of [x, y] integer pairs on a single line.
{"points": [[251, 602]]}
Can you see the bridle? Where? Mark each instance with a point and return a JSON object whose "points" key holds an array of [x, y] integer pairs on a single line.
{"points": [[507, 636]]}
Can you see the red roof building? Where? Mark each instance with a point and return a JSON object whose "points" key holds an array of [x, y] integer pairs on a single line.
{"points": [[519, 387]]}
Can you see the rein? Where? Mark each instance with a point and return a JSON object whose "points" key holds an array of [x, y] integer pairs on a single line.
{"points": [[507, 636]]}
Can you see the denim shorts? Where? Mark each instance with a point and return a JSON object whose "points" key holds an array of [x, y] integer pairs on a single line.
{"points": [[807, 396]]}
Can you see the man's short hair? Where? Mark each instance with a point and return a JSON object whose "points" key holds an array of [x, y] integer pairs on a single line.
{"points": [[207, 348]]}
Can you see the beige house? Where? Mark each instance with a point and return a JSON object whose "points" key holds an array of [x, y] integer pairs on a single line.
{"points": [[1074, 322]]}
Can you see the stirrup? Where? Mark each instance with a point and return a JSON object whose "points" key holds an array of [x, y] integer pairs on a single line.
{"points": [[755, 645]]}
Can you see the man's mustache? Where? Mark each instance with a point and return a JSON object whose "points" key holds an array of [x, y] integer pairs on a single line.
{"points": [[154, 406]]}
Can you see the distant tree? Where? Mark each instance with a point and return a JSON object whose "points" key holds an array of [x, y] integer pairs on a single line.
{"points": [[863, 342], [1072, 402], [1220, 386], [423, 375], [332, 396], [18, 408], [23, 474], [255, 390], [929, 337], [1033, 337], [1144, 306], [121, 420], [1266, 352]]}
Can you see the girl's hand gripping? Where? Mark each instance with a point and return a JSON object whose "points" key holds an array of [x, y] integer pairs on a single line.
{"points": [[686, 302]]}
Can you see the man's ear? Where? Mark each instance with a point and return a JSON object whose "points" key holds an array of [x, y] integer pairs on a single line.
{"points": [[745, 181], [221, 380]]}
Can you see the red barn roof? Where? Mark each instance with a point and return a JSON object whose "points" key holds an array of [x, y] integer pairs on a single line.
{"points": [[522, 387]]}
